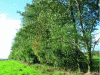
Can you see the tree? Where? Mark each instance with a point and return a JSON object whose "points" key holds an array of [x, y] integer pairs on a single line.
{"points": [[51, 33], [89, 26]]}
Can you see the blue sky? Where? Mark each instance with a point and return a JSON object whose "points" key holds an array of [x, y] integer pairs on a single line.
{"points": [[10, 21]]}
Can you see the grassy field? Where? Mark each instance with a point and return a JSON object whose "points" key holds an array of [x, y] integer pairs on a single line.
{"points": [[14, 67]]}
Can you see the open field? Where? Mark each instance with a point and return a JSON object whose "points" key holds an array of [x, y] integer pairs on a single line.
{"points": [[15, 67]]}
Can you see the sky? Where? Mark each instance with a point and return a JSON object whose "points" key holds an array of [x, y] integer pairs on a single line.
{"points": [[10, 23]]}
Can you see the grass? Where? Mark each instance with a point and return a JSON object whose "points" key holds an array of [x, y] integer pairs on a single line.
{"points": [[15, 67], [11, 67], [96, 60]]}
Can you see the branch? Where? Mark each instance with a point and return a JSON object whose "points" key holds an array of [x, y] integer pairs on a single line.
{"points": [[93, 23]]}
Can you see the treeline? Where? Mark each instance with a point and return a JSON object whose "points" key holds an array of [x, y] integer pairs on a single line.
{"points": [[93, 52], [55, 32], [3, 59]]}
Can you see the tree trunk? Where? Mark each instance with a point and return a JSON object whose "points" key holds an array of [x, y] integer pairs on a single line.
{"points": [[76, 40], [89, 64], [84, 36]]}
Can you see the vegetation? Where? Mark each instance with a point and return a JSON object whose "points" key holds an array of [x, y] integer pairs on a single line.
{"points": [[12, 67], [54, 33]]}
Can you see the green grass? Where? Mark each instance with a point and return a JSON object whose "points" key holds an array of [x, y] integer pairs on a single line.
{"points": [[14, 67], [96, 60], [11, 67]]}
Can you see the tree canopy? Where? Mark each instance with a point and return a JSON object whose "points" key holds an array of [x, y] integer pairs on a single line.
{"points": [[54, 32]]}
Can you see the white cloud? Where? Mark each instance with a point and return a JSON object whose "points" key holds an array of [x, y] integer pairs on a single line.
{"points": [[7, 33], [97, 37]]}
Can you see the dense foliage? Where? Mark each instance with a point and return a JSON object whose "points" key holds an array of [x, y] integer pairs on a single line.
{"points": [[53, 33]]}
